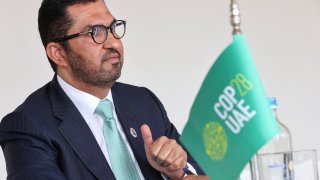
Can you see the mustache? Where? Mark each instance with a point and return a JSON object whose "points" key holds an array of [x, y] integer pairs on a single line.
{"points": [[109, 52]]}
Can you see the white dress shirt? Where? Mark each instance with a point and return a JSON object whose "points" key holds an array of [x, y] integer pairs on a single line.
{"points": [[86, 104]]}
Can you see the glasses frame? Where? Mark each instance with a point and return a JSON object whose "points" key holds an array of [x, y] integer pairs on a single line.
{"points": [[91, 32]]}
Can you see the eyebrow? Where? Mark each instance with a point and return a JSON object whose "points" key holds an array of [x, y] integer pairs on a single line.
{"points": [[114, 20], [90, 26]]}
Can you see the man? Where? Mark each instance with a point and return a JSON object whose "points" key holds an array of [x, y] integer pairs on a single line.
{"points": [[82, 124]]}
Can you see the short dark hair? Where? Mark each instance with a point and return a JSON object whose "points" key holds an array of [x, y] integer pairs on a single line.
{"points": [[54, 21]]}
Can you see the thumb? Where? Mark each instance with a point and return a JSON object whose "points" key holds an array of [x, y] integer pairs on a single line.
{"points": [[147, 136]]}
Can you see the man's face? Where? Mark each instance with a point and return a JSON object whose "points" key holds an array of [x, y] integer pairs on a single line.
{"points": [[91, 64]]}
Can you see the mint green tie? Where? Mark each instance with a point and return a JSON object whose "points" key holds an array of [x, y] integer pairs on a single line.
{"points": [[121, 162]]}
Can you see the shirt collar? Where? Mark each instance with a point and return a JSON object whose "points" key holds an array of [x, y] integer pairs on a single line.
{"points": [[85, 102]]}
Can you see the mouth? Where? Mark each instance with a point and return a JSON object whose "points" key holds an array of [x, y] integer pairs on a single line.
{"points": [[112, 58]]}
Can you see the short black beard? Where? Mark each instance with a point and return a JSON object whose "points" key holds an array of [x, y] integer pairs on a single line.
{"points": [[83, 70]]}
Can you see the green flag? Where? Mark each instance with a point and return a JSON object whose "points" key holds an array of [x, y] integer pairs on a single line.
{"points": [[230, 118]]}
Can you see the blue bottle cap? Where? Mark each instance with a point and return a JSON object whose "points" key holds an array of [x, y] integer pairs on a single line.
{"points": [[273, 101]]}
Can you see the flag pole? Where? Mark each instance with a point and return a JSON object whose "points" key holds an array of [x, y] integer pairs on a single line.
{"points": [[235, 18]]}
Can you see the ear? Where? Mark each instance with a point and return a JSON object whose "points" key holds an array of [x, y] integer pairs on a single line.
{"points": [[57, 54]]}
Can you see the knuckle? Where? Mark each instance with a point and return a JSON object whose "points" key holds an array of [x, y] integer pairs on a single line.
{"points": [[163, 138], [169, 161], [161, 159], [153, 153], [172, 141], [182, 151], [175, 166]]}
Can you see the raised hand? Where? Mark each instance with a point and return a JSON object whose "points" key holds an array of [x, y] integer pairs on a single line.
{"points": [[164, 154]]}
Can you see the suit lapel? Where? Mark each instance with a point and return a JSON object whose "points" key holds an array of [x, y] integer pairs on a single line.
{"points": [[129, 119], [75, 130]]}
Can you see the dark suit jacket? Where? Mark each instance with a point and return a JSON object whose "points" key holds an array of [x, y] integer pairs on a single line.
{"points": [[47, 138]]}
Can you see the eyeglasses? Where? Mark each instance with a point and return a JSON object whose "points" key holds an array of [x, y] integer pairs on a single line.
{"points": [[99, 33]]}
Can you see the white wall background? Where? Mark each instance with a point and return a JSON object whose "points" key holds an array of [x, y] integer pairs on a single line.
{"points": [[170, 45]]}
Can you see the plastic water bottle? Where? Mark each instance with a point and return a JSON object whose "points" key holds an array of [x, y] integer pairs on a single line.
{"points": [[275, 158]]}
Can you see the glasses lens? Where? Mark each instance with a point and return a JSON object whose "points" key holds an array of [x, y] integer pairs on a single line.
{"points": [[118, 29], [99, 34]]}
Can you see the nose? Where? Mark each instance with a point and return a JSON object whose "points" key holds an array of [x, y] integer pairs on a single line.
{"points": [[112, 42]]}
